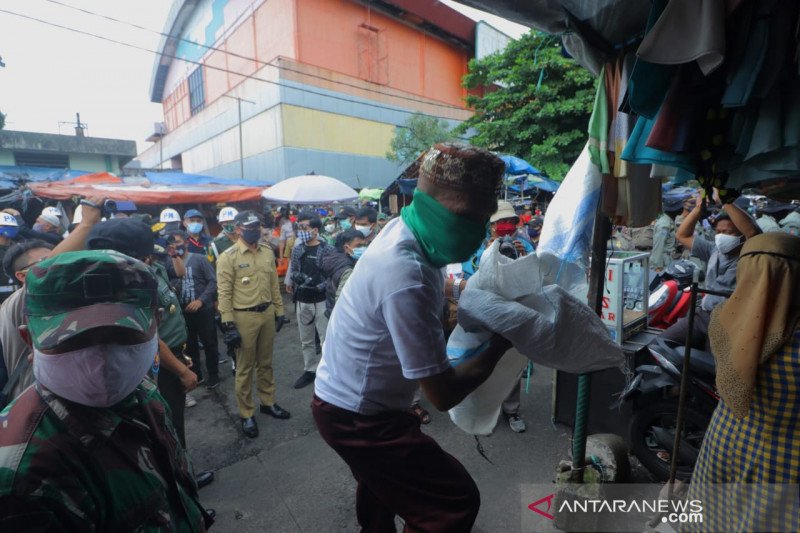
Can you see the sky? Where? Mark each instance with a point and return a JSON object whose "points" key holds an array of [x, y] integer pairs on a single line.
{"points": [[51, 74]]}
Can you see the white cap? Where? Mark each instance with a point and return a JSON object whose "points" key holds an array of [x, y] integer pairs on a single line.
{"points": [[8, 220], [53, 211], [169, 215], [504, 210], [77, 217], [227, 214]]}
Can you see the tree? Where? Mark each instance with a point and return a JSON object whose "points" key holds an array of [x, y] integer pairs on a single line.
{"points": [[2, 120], [535, 103], [419, 133]]}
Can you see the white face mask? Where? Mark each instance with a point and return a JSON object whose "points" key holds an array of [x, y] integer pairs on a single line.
{"points": [[727, 243], [97, 376], [365, 230], [329, 228]]}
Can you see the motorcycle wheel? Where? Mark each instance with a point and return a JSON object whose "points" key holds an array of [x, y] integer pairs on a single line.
{"points": [[654, 457]]}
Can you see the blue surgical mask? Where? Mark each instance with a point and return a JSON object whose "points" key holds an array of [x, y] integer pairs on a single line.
{"points": [[194, 227], [358, 252], [345, 224]]}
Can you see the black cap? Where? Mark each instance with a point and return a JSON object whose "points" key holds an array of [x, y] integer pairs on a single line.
{"points": [[345, 212], [126, 235], [247, 218]]}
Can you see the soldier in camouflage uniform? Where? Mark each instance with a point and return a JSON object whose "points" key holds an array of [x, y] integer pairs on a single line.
{"points": [[90, 447]]}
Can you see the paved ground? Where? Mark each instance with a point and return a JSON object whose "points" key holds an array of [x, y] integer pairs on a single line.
{"points": [[288, 480]]}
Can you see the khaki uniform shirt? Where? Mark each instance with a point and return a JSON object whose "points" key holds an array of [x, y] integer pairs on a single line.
{"points": [[246, 279]]}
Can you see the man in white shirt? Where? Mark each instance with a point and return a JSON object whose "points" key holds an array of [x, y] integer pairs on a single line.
{"points": [[385, 338]]}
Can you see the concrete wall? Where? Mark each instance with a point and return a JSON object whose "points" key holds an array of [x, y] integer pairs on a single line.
{"points": [[93, 163], [7, 157]]}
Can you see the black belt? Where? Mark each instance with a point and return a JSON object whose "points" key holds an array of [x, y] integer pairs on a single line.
{"points": [[256, 308]]}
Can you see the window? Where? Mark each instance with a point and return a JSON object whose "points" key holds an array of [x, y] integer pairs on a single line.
{"points": [[41, 159], [197, 96]]}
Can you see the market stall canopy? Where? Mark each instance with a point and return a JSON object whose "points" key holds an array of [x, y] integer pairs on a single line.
{"points": [[518, 166], [370, 194], [142, 191], [530, 182], [310, 189], [12, 176]]}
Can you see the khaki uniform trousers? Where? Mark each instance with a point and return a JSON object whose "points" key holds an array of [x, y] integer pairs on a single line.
{"points": [[254, 357]]}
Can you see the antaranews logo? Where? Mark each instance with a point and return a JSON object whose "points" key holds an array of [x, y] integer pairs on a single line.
{"points": [[671, 511]]}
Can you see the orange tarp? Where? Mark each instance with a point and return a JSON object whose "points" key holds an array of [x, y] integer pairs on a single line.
{"points": [[147, 194]]}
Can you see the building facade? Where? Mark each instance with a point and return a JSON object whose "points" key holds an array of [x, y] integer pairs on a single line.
{"points": [[270, 89], [76, 152]]}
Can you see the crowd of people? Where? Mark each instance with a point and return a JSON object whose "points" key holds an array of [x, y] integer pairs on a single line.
{"points": [[108, 325]]}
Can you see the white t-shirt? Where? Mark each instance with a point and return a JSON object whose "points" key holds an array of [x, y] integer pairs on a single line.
{"points": [[385, 331]]}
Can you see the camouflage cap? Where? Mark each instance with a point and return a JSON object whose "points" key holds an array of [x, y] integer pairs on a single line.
{"points": [[461, 166], [75, 292]]}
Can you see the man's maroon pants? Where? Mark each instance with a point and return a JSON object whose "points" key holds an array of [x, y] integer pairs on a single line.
{"points": [[400, 471]]}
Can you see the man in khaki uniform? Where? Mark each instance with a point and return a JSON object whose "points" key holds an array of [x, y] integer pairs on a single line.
{"points": [[252, 312]]}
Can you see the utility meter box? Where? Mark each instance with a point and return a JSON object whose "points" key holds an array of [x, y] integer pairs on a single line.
{"points": [[626, 294]]}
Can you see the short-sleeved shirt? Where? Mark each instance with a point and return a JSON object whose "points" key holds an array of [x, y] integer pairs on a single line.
{"points": [[720, 272], [67, 467], [385, 332], [172, 328]]}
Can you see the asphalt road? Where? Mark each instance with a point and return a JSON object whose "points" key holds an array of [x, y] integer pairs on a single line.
{"points": [[288, 480]]}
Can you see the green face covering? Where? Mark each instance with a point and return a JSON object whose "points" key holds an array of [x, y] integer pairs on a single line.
{"points": [[444, 236]]}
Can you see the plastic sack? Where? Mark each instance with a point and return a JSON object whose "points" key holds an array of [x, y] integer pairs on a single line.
{"points": [[506, 296]]}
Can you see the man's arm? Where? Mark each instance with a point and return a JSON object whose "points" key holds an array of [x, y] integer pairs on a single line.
{"points": [[685, 233], [275, 289], [210, 291], [741, 220], [294, 266], [178, 264], [448, 389], [170, 362], [76, 240], [225, 287]]}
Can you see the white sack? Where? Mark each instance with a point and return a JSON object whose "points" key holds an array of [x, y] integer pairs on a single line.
{"points": [[545, 324]]}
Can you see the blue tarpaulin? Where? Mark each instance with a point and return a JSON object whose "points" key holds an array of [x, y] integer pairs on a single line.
{"points": [[182, 178], [534, 182], [516, 165], [11, 176]]}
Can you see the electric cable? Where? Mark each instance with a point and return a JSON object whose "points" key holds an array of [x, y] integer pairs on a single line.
{"points": [[241, 56], [198, 63]]}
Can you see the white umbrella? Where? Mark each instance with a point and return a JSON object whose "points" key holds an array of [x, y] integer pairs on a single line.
{"points": [[310, 189]]}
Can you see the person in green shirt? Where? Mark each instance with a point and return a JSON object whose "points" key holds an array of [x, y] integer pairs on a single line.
{"points": [[227, 237]]}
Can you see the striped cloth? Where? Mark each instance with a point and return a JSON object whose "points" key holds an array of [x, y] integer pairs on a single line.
{"points": [[756, 458]]}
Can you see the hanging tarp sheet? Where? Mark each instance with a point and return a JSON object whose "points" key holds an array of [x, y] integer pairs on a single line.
{"points": [[149, 194]]}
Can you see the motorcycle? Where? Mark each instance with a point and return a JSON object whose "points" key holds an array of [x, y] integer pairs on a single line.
{"points": [[654, 390], [670, 295]]}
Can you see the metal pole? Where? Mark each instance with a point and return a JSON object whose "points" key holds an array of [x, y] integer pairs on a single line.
{"points": [[687, 358], [241, 145], [597, 276]]}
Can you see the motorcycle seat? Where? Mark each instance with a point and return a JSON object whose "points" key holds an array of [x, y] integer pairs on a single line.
{"points": [[701, 361]]}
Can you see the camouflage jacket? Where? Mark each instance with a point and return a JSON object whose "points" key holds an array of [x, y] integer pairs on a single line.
{"points": [[66, 467]]}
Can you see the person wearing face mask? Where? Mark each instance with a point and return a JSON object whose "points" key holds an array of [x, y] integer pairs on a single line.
{"points": [[9, 228], [733, 227], [386, 339], [169, 220], [307, 283], [197, 241], [366, 222], [338, 264], [196, 285], [80, 432], [535, 229], [227, 237], [251, 308], [502, 223]]}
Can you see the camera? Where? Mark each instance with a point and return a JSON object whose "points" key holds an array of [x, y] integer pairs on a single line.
{"points": [[507, 248], [302, 280], [108, 208]]}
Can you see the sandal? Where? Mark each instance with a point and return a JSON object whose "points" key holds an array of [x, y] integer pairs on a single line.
{"points": [[420, 412]]}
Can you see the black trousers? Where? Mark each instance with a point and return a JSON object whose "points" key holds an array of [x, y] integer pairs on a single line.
{"points": [[171, 388], [676, 333], [399, 471], [201, 326]]}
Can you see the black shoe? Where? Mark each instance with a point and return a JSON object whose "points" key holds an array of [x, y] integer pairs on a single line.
{"points": [[204, 478], [275, 411], [249, 427], [306, 378], [213, 381]]}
